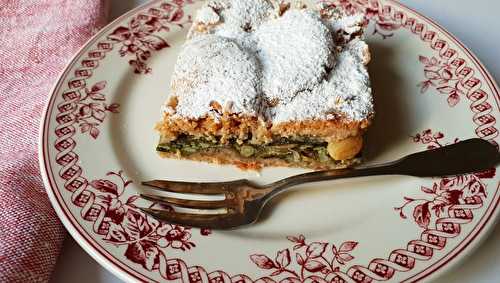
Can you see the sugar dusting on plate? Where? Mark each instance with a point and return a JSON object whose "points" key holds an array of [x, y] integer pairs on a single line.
{"points": [[281, 67]]}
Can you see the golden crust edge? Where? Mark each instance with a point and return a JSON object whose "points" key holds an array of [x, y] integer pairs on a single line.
{"points": [[233, 126]]}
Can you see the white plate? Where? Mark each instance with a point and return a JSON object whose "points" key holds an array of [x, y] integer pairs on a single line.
{"points": [[97, 145]]}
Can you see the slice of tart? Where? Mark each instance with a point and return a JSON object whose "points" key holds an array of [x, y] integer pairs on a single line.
{"points": [[265, 84]]}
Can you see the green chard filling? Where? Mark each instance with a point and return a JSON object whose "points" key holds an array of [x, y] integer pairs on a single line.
{"points": [[292, 150]]}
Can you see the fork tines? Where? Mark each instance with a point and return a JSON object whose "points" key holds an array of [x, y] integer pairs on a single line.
{"points": [[199, 213]]}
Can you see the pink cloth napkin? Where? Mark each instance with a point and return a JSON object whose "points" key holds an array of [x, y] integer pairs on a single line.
{"points": [[37, 37]]}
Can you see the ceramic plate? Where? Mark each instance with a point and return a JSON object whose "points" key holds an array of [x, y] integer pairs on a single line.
{"points": [[98, 144]]}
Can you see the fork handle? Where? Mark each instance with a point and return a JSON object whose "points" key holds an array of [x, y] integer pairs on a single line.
{"points": [[467, 156]]}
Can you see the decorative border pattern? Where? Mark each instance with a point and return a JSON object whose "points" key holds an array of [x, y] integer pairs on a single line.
{"points": [[69, 116], [386, 18], [311, 260], [140, 36], [70, 171]]}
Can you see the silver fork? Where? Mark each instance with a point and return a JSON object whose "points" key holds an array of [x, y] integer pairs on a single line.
{"points": [[243, 200]]}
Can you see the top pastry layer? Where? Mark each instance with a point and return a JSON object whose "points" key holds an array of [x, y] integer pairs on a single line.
{"points": [[280, 64]]}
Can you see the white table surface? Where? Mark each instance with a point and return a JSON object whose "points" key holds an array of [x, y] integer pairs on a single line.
{"points": [[477, 24]]}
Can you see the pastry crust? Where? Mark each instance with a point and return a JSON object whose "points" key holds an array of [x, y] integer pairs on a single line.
{"points": [[227, 89], [241, 128]]}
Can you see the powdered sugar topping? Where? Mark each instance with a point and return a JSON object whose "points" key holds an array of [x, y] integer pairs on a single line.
{"points": [[209, 74], [349, 24], [280, 68], [295, 51], [241, 14], [207, 15], [343, 92]]}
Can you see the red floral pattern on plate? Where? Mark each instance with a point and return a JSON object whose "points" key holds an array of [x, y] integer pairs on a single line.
{"points": [[91, 109], [119, 222], [142, 35], [448, 192], [311, 261], [146, 238], [443, 77]]}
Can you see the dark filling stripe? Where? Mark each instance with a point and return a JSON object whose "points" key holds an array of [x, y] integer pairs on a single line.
{"points": [[293, 151]]}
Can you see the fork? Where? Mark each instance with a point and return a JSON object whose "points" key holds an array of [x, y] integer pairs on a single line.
{"points": [[243, 200]]}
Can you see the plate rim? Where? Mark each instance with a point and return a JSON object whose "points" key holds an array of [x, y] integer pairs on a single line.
{"points": [[451, 260], [473, 244], [77, 235]]}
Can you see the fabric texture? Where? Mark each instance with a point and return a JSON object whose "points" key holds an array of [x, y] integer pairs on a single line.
{"points": [[37, 38]]}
